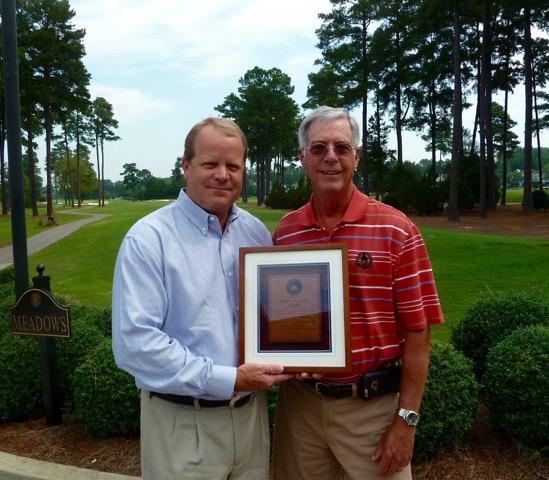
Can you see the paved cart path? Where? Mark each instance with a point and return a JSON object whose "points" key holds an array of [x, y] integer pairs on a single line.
{"points": [[50, 236]]}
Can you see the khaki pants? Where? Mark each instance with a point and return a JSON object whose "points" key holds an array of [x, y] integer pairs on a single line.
{"points": [[179, 442], [320, 438]]}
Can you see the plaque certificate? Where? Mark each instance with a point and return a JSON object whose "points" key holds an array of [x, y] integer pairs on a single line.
{"points": [[294, 307]]}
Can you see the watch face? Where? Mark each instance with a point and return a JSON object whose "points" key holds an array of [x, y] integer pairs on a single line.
{"points": [[412, 418]]}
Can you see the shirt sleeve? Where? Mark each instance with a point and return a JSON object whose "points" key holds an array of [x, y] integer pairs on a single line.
{"points": [[158, 362], [416, 298]]}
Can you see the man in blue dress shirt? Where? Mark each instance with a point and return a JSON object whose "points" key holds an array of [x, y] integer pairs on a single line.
{"points": [[175, 322]]}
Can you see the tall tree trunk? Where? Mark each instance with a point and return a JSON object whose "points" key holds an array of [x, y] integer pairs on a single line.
{"points": [[49, 133], [398, 105], [540, 165], [433, 128], [488, 133], [504, 147], [364, 167], [102, 174], [476, 123], [30, 167], [527, 201], [457, 109], [69, 193], [78, 190], [378, 136], [98, 169], [245, 185], [484, 112], [258, 182], [267, 177]]}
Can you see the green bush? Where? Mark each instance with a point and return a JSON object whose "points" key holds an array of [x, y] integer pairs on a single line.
{"points": [[7, 275], [428, 198], [540, 199], [5, 318], [401, 185], [492, 319], [20, 380], [106, 400], [449, 403], [72, 352], [277, 197], [517, 385], [99, 317], [289, 198]]}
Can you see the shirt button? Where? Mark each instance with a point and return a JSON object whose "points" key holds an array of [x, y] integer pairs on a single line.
{"points": [[204, 229], [210, 218], [230, 274]]}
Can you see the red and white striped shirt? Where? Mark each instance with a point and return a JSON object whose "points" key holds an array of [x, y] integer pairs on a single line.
{"points": [[391, 283]]}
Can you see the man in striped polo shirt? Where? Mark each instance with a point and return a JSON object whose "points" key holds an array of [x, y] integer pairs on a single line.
{"points": [[357, 425]]}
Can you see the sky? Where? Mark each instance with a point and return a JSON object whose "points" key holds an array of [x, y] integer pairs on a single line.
{"points": [[164, 65]]}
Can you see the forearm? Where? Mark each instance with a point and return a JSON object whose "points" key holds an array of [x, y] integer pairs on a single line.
{"points": [[415, 366]]}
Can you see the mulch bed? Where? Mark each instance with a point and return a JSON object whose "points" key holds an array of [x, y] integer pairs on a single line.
{"points": [[505, 220], [482, 455]]}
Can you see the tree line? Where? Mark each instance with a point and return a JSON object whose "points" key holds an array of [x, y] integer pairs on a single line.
{"points": [[56, 104], [406, 65], [415, 65]]}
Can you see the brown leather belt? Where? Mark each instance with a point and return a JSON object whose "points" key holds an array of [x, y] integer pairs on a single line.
{"points": [[202, 403], [372, 384]]}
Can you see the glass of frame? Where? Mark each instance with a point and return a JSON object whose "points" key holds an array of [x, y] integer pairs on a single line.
{"points": [[294, 307]]}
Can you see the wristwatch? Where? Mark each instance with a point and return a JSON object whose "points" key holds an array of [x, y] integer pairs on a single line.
{"points": [[409, 416]]}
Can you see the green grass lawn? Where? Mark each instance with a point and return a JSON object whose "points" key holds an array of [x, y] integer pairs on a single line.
{"points": [[514, 195], [467, 265], [35, 225]]}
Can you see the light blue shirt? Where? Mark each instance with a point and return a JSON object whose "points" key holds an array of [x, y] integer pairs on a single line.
{"points": [[175, 299]]}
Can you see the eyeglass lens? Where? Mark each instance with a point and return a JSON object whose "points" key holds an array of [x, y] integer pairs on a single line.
{"points": [[340, 149]]}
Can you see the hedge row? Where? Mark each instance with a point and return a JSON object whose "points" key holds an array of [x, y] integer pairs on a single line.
{"points": [[105, 401]]}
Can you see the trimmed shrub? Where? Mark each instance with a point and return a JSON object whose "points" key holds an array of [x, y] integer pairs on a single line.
{"points": [[72, 352], [99, 317], [5, 304], [517, 385], [492, 319], [540, 198], [277, 197], [289, 198], [429, 198], [106, 400], [20, 381], [401, 185], [7, 275], [449, 403]]}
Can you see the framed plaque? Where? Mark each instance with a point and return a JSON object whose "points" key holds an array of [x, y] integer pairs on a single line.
{"points": [[294, 307]]}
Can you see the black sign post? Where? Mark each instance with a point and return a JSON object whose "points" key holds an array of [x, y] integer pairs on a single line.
{"points": [[37, 313], [52, 404]]}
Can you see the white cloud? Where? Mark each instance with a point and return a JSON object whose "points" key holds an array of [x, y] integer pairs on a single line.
{"points": [[130, 104], [207, 40]]}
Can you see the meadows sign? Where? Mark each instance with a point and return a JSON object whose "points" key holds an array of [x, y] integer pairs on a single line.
{"points": [[37, 313]]}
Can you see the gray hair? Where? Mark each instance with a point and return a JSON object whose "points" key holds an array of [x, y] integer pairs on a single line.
{"points": [[326, 114]]}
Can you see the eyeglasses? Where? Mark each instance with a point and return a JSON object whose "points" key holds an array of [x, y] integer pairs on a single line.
{"points": [[340, 149]]}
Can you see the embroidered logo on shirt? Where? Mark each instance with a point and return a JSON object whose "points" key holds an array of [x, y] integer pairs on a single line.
{"points": [[364, 260]]}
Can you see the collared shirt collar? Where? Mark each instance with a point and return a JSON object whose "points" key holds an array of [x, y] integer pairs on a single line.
{"points": [[198, 216], [357, 208]]}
